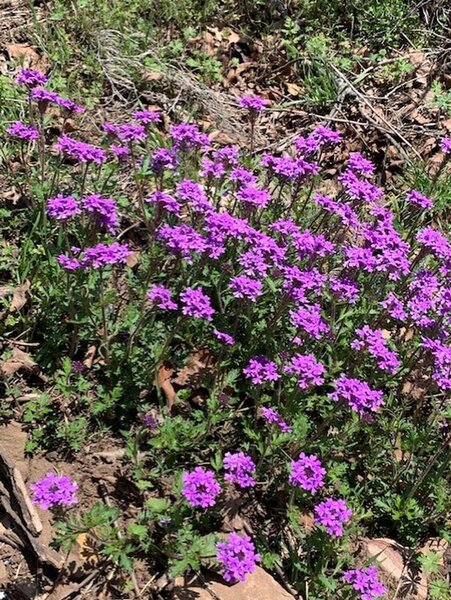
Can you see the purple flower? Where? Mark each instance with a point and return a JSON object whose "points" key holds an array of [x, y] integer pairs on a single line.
{"points": [[420, 200], [227, 155], [212, 168], [254, 104], [307, 473], [192, 193], [80, 150], [348, 216], [238, 557], [345, 289], [240, 469], [360, 165], [366, 582], [308, 370], [289, 168], [357, 394], [326, 135], [163, 159], [187, 136], [43, 97], [445, 145], [243, 176], [321, 136], [54, 491], [331, 514], [69, 263], [360, 189], [102, 254], [274, 418], [435, 242], [161, 297], [69, 105], [169, 203], [298, 284], [224, 337], [200, 488], [252, 196], [31, 78], [22, 131], [63, 207], [196, 304], [243, 286], [145, 117], [120, 152], [373, 342], [442, 362], [182, 239], [309, 319], [261, 369], [254, 262], [394, 307], [126, 133], [103, 210], [149, 420], [309, 244]]}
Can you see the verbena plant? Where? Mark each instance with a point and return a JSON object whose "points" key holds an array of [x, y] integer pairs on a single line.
{"points": [[321, 322]]}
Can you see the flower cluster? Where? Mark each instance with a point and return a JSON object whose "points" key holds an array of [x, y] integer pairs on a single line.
{"points": [[54, 491], [237, 556], [43, 97], [31, 78], [272, 416], [200, 488], [366, 582], [63, 207], [307, 369], [307, 473], [260, 370], [81, 151], [23, 132], [196, 304], [373, 341], [161, 297], [357, 394], [332, 514], [240, 469]]}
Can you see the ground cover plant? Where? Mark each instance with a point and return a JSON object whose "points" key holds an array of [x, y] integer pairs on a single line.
{"points": [[317, 307]]}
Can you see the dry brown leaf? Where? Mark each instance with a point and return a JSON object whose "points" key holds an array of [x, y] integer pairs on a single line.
{"points": [[20, 296], [89, 356], [86, 550], [152, 75], [28, 55], [19, 360], [198, 365], [132, 259], [293, 89], [164, 374]]}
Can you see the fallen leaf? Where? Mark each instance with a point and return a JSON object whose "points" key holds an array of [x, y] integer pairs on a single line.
{"points": [[164, 374], [20, 296], [89, 356], [19, 360], [152, 75], [293, 89], [132, 259]]}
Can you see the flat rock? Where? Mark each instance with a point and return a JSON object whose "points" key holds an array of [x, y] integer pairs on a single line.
{"points": [[259, 585], [393, 560]]}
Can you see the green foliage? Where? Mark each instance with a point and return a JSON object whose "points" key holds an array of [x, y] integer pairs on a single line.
{"points": [[442, 98]]}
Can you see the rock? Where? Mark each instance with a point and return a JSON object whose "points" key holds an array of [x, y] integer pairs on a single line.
{"points": [[394, 560], [259, 585]]}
